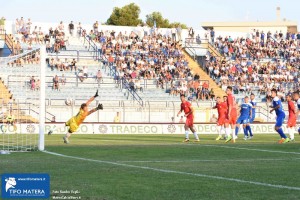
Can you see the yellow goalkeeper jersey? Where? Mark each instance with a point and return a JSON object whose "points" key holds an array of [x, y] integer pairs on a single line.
{"points": [[81, 115]]}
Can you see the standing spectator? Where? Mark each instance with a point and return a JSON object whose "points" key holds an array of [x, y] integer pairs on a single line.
{"points": [[2, 24], [173, 31], [198, 39], [17, 25], [32, 83], [71, 28], [79, 30], [95, 26], [18, 48], [99, 77], [117, 118], [179, 30], [28, 25], [212, 35], [63, 79], [191, 34], [61, 27]]}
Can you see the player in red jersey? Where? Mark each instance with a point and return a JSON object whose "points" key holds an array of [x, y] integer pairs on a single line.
{"points": [[291, 123], [222, 116], [232, 113], [189, 114]]}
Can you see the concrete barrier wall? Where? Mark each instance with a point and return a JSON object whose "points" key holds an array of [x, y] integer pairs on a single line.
{"points": [[135, 128]]}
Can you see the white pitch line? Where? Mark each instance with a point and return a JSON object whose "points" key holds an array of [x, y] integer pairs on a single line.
{"points": [[228, 160], [177, 172], [250, 149]]}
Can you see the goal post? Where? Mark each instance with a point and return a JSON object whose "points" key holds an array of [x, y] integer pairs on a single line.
{"points": [[23, 101], [42, 114]]}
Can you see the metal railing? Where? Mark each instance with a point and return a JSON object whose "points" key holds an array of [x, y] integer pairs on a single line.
{"points": [[89, 41], [77, 54], [130, 90]]}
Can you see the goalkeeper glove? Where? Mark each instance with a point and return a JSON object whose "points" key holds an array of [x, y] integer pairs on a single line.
{"points": [[96, 95], [99, 107]]}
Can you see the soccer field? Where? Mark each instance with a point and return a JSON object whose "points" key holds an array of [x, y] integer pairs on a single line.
{"points": [[162, 167]]}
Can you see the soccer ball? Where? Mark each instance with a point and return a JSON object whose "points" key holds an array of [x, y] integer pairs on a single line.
{"points": [[68, 101]]}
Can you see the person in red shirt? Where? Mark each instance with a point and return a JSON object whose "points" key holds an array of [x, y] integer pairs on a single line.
{"points": [[222, 116], [291, 123], [231, 112], [189, 114]]}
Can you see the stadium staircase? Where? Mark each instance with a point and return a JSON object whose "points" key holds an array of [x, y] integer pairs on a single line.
{"points": [[214, 52], [8, 40], [195, 67]]}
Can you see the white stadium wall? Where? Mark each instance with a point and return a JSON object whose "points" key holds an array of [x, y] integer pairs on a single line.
{"points": [[10, 28], [137, 128]]}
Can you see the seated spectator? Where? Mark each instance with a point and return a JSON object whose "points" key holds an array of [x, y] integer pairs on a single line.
{"points": [[80, 75], [38, 84], [85, 71], [63, 79], [211, 94], [181, 120], [131, 85], [138, 85], [73, 65], [213, 118], [65, 65], [160, 82], [55, 83]]}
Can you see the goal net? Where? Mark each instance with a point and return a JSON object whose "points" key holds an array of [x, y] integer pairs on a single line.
{"points": [[22, 101]]}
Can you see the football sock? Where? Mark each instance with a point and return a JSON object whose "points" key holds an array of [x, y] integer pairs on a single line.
{"points": [[291, 133], [249, 130], [280, 131], [68, 134], [196, 135], [219, 129], [237, 128], [233, 133], [227, 131], [186, 134], [245, 131]]}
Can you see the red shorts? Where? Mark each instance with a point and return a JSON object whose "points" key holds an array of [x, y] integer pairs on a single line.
{"points": [[189, 121], [221, 120], [291, 121], [232, 119]]}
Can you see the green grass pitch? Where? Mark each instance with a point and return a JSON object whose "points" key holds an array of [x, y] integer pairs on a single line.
{"points": [[162, 167]]}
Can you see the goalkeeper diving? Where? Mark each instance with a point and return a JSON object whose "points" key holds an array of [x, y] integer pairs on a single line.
{"points": [[75, 121]]}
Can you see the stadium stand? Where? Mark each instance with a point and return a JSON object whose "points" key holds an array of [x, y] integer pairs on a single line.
{"points": [[255, 64], [134, 66]]}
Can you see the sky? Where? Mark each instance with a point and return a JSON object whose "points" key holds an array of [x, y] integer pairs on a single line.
{"points": [[190, 12]]}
